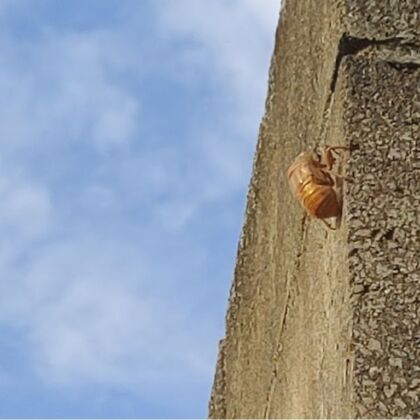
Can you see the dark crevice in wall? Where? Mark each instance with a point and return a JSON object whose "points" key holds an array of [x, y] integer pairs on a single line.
{"points": [[287, 307], [350, 45], [403, 66]]}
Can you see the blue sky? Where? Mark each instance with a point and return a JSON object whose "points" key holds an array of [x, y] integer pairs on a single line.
{"points": [[127, 130]]}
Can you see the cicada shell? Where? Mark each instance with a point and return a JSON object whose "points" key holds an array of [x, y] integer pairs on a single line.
{"points": [[311, 182]]}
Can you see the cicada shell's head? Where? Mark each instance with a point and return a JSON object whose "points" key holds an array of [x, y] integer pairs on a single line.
{"points": [[306, 157]]}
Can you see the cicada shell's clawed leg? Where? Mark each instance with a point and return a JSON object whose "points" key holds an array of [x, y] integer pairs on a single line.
{"points": [[327, 158], [337, 175], [334, 148], [327, 224]]}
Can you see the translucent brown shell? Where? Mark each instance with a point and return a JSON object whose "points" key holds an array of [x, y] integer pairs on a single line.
{"points": [[313, 186]]}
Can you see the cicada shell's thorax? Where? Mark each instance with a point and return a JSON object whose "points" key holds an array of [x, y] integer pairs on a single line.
{"points": [[313, 187]]}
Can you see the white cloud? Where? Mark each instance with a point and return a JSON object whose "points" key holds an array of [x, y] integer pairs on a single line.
{"points": [[26, 217], [93, 306], [25, 212], [6, 5], [92, 316], [237, 35], [230, 42], [69, 89], [90, 332]]}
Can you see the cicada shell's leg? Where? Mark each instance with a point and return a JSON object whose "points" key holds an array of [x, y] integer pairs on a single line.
{"points": [[328, 158], [334, 148], [337, 175], [327, 224]]}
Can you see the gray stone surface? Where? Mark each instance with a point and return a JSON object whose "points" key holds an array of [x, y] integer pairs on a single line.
{"points": [[382, 125], [325, 324], [381, 19]]}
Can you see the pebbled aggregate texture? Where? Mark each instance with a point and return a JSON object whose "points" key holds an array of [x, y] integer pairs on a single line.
{"points": [[382, 19], [383, 125]]}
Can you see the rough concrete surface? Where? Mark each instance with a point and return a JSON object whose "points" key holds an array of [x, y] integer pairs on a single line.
{"points": [[326, 324]]}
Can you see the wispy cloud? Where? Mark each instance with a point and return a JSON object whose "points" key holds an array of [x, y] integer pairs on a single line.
{"points": [[61, 88], [119, 206], [236, 37]]}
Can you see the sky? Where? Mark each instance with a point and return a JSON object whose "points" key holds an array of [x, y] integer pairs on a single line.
{"points": [[127, 130]]}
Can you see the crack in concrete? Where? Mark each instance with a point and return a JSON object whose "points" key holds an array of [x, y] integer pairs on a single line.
{"points": [[287, 308], [349, 45]]}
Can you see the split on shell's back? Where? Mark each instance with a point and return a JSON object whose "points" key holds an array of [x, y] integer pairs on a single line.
{"points": [[300, 171]]}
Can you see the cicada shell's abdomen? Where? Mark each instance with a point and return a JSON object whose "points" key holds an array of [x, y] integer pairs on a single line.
{"points": [[319, 200], [313, 187]]}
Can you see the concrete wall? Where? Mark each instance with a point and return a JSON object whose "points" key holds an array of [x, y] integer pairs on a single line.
{"points": [[320, 323]]}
